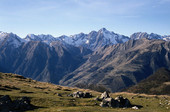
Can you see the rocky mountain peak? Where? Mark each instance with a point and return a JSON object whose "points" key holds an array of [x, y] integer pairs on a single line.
{"points": [[10, 39], [43, 38], [103, 30]]}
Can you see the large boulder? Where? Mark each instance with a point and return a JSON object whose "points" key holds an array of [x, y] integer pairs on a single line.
{"points": [[5, 100], [5, 103], [104, 95], [118, 102], [123, 102], [23, 104], [87, 95], [109, 102]]}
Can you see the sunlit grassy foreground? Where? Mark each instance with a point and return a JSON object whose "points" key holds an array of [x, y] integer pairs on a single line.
{"points": [[45, 96]]}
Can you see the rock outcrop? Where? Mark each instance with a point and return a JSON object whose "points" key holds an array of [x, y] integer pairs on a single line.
{"points": [[105, 95], [23, 104], [118, 102], [80, 94]]}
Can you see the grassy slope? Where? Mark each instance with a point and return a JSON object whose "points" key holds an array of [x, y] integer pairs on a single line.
{"points": [[158, 83], [43, 95]]}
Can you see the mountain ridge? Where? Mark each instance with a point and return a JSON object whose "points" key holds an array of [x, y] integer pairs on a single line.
{"points": [[92, 40], [121, 65]]}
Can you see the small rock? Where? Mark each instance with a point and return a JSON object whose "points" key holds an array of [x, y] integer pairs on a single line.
{"points": [[70, 95], [135, 107], [80, 94], [103, 105], [58, 94], [132, 97]]}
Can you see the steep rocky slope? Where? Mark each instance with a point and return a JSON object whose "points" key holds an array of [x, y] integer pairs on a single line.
{"points": [[157, 83], [41, 61], [121, 65]]}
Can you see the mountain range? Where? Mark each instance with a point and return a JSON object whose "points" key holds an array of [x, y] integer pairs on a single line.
{"points": [[121, 65], [101, 57]]}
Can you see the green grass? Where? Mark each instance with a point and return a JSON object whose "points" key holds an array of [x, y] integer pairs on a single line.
{"points": [[44, 96]]}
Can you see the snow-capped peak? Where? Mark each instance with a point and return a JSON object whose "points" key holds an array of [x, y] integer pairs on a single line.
{"points": [[93, 39], [77, 35], [30, 36], [66, 39], [11, 39], [2, 36], [103, 30], [111, 37], [43, 38]]}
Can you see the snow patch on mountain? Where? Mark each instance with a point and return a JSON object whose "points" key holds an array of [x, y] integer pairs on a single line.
{"points": [[66, 39], [2, 36], [94, 39], [43, 38], [108, 36], [166, 37]]}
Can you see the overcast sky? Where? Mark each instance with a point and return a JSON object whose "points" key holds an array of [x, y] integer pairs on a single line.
{"points": [[58, 17]]}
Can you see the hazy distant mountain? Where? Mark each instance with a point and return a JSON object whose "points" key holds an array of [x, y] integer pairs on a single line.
{"points": [[121, 65], [140, 35], [158, 83]]}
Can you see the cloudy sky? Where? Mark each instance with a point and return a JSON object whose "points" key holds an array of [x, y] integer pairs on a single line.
{"points": [[58, 17]]}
